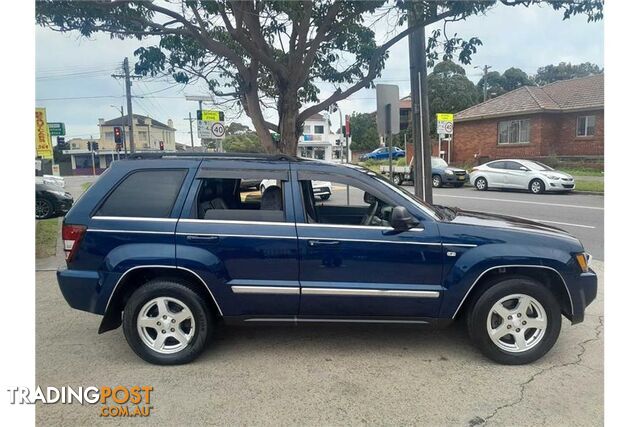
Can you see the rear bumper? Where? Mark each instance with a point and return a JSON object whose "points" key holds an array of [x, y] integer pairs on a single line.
{"points": [[583, 293], [80, 288]]}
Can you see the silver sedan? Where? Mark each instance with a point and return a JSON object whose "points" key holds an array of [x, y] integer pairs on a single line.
{"points": [[520, 174]]}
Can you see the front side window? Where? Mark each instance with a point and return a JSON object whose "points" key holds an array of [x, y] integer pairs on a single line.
{"points": [[257, 197], [340, 202], [513, 131], [586, 126], [148, 194]]}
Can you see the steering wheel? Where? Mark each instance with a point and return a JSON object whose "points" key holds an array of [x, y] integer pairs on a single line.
{"points": [[371, 213]]}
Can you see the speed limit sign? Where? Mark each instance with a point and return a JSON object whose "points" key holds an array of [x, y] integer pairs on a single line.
{"points": [[217, 129], [448, 127]]}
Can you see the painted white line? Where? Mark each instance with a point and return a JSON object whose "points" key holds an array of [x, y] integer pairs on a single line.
{"points": [[520, 201]]}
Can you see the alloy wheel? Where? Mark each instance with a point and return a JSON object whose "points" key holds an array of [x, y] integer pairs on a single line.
{"points": [[43, 209], [166, 325], [516, 323], [536, 187]]}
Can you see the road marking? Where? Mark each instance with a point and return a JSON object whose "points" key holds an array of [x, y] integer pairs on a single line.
{"points": [[520, 201]]}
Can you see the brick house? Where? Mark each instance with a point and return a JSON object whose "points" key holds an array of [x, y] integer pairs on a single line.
{"points": [[564, 119]]}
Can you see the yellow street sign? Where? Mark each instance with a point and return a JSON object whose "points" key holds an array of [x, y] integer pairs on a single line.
{"points": [[444, 117], [210, 116], [43, 139]]}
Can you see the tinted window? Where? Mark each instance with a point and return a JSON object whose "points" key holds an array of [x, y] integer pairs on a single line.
{"points": [[147, 194], [496, 165], [514, 166]]}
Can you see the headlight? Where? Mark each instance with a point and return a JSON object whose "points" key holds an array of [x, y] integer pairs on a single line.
{"points": [[584, 261], [554, 177], [448, 172]]}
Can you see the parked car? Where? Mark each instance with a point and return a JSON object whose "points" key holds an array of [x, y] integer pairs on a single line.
{"points": [[164, 247], [521, 174], [321, 189], [51, 201], [52, 179], [249, 184], [441, 174], [383, 153]]}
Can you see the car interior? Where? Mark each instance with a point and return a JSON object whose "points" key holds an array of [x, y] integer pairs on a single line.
{"points": [[364, 209], [221, 199]]}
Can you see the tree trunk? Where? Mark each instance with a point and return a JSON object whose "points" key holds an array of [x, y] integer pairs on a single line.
{"points": [[288, 128]]}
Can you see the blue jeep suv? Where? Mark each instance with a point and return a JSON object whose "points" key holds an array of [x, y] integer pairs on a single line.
{"points": [[166, 246]]}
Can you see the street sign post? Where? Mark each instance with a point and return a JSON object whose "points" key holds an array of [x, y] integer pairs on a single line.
{"points": [[210, 124], [56, 129], [43, 138], [444, 128]]}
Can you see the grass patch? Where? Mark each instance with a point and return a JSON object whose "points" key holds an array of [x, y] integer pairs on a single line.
{"points": [[596, 186], [86, 186], [47, 231], [582, 172]]}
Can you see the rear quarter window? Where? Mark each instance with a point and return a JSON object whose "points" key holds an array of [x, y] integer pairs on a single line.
{"points": [[149, 193]]}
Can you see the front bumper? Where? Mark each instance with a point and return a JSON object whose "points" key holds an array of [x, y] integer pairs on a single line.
{"points": [[455, 179], [583, 292], [560, 186], [63, 205]]}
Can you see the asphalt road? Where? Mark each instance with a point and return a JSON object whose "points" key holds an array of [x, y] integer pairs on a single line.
{"points": [[324, 374], [582, 215]]}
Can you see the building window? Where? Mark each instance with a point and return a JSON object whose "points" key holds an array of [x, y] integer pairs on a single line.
{"points": [[306, 129], [306, 152], [108, 136], [318, 129], [586, 126], [513, 132]]}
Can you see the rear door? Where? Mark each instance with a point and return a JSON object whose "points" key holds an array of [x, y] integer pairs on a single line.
{"points": [[352, 263], [242, 243]]}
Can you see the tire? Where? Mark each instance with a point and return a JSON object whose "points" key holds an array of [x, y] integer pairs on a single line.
{"points": [[534, 342], [194, 329], [536, 186], [397, 179], [481, 184], [44, 209], [436, 181]]}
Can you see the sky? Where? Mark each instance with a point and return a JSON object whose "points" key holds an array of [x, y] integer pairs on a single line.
{"points": [[74, 74]]}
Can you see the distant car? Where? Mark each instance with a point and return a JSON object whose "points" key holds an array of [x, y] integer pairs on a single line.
{"points": [[58, 181], [441, 173], [248, 184], [383, 153], [51, 200], [521, 174], [321, 189]]}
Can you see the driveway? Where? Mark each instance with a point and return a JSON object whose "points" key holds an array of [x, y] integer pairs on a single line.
{"points": [[324, 374]]}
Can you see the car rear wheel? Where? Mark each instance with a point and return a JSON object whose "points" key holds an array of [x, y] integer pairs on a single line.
{"points": [[166, 323], [436, 181], [515, 321], [44, 209], [481, 184], [397, 179], [536, 186]]}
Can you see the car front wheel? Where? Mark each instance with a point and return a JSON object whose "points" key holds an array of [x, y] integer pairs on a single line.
{"points": [[397, 179], [536, 186], [44, 209], [166, 323], [515, 321], [481, 184], [436, 180]]}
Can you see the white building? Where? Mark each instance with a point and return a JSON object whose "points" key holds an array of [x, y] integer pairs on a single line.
{"points": [[318, 141]]}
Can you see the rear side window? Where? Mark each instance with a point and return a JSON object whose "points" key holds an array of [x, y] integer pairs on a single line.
{"points": [[149, 194]]}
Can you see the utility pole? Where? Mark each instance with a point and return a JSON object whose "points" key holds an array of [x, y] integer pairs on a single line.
{"points": [[484, 80], [420, 103], [190, 128], [127, 84]]}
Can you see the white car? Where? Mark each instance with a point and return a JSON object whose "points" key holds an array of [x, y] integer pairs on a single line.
{"points": [[51, 180], [321, 189], [520, 174]]}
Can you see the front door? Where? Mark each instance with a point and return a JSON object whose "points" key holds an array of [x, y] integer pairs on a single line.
{"points": [[242, 243], [517, 175], [352, 263]]}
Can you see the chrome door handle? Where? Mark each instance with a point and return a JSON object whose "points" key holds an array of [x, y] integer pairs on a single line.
{"points": [[323, 242], [194, 237]]}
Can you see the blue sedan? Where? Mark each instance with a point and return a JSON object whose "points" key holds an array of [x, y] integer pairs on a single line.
{"points": [[383, 153]]}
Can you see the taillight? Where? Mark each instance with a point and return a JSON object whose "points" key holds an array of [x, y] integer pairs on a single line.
{"points": [[71, 237]]}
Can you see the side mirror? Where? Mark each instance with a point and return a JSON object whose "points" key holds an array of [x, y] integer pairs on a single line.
{"points": [[522, 168], [401, 219]]}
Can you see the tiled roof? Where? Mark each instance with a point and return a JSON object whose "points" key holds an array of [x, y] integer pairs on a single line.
{"points": [[139, 122], [565, 95]]}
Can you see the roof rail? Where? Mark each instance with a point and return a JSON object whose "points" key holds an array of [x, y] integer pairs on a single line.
{"points": [[196, 155]]}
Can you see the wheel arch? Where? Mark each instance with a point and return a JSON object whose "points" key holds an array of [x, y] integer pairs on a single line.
{"points": [[137, 276], [547, 276]]}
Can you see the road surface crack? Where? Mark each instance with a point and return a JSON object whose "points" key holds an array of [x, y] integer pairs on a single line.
{"points": [[599, 329]]}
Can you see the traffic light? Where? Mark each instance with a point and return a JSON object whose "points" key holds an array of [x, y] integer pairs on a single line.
{"points": [[117, 137], [92, 145]]}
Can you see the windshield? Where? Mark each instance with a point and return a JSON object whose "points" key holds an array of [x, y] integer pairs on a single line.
{"points": [[437, 162], [537, 166]]}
